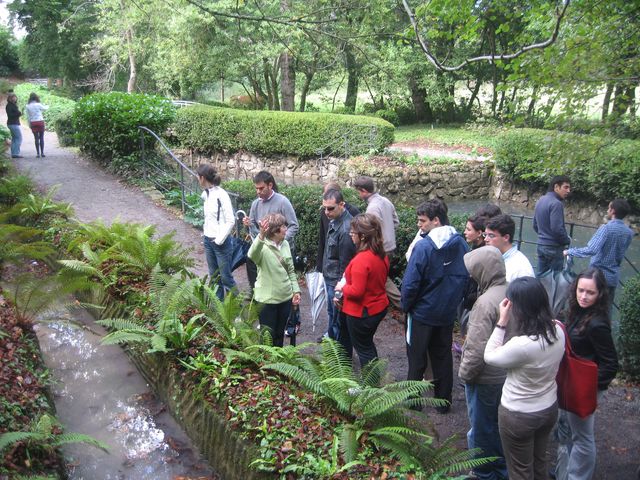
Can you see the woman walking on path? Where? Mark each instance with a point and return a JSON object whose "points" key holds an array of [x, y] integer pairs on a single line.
{"points": [[13, 123], [276, 286], [364, 297], [528, 407], [34, 111], [589, 327], [218, 223]]}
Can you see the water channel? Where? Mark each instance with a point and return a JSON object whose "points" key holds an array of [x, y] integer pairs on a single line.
{"points": [[99, 392]]}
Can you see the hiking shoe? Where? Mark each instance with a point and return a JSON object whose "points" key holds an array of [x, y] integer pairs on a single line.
{"points": [[43, 155], [17, 156]]}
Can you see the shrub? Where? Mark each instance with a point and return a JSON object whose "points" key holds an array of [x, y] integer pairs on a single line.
{"points": [[630, 328], [209, 129], [389, 115], [603, 167], [15, 188], [58, 106], [63, 126], [5, 135], [406, 113], [106, 124]]}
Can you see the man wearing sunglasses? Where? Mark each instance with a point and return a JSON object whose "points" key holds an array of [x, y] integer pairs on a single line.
{"points": [[338, 252]]}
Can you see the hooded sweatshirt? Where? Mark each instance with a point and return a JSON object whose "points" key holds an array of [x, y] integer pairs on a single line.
{"points": [[486, 267], [435, 279]]}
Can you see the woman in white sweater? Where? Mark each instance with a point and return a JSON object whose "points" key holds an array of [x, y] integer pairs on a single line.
{"points": [[528, 408], [218, 224], [35, 116]]}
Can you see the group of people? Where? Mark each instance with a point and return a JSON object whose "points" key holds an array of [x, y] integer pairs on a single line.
{"points": [[34, 110], [513, 345]]}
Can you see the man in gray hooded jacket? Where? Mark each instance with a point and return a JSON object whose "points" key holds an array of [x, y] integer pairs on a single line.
{"points": [[483, 383]]}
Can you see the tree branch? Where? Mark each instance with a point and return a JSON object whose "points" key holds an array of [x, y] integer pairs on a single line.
{"points": [[424, 45]]}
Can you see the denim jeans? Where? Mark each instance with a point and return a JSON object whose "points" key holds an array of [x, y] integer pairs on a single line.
{"points": [[16, 139], [550, 258], [333, 326], [219, 259], [483, 401]]}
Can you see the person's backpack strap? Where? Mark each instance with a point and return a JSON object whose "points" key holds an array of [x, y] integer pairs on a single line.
{"points": [[218, 214]]}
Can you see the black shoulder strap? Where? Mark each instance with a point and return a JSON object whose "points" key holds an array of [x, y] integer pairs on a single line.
{"points": [[218, 215]]}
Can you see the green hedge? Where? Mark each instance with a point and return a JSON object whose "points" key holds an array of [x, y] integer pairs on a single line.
{"points": [[209, 129], [630, 329], [58, 106], [106, 124], [601, 168]]}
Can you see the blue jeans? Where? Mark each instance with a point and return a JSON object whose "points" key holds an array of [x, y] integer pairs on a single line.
{"points": [[16, 139], [550, 258], [219, 259], [333, 328], [483, 401]]}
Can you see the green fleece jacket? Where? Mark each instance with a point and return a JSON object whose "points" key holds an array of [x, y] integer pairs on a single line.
{"points": [[275, 283]]}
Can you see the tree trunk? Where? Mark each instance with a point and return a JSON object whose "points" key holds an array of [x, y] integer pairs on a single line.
{"points": [[532, 103], [621, 101], [606, 101], [274, 84], [133, 72], [352, 80], [287, 82], [474, 95], [222, 88], [267, 82], [632, 101], [308, 77], [419, 100]]}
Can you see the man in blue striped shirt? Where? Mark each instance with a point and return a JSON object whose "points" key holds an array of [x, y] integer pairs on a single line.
{"points": [[609, 244]]}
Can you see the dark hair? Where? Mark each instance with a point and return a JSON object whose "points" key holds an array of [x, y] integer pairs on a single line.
{"points": [[266, 177], [276, 220], [11, 96], [478, 222], [368, 228], [209, 173], [600, 308], [489, 210], [332, 186], [434, 208], [558, 180], [364, 183], [621, 207], [33, 98], [530, 309], [503, 224], [333, 195]]}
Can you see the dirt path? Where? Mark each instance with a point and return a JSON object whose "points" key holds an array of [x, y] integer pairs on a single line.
{"points": [[96, 194]]}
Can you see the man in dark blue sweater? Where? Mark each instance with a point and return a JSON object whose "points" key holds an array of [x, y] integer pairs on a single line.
{"points": [[548, 222]]}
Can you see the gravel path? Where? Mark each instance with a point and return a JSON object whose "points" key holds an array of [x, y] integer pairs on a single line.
{"points": [[95, 194]]}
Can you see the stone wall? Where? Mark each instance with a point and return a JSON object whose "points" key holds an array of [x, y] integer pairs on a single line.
{"points": [[412, 184], [285, 168]]}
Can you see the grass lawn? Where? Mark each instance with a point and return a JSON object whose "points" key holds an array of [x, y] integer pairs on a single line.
{"points": [[472, 136]]}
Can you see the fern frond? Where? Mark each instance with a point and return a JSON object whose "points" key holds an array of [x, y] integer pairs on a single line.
{"points": [[10, 438], [335, 362], [125, 336], [298, 375], [158, 344], [349, 442], [66, 438], [122, 324], [81, 267]]}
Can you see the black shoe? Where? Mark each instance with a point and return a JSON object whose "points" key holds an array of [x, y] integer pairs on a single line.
{"points": [[17, 156], [38, 155], [43, 155]]}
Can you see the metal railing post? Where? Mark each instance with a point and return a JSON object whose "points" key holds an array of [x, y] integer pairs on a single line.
{"points": [[520, 231], [143, 156], [182, 195]]}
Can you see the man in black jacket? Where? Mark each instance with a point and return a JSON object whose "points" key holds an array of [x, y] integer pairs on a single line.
{"points": [[338, 252]]}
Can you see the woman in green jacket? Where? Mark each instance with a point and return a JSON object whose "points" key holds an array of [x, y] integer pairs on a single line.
{"points": [[277, 286]]}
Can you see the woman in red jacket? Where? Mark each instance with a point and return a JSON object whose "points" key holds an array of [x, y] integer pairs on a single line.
{"points": [[364, 299]]}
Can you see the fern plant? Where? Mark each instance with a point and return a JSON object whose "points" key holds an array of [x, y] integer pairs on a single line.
{"points": [[170, 297], [45, 433], [32, 209], [35, 296], [18, 243], [379, 414]]}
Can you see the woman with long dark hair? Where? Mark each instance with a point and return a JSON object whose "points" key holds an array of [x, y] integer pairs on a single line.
{"points": [[528, 407], [364, 297], [13, 123], [218, 224], [589, 327], [35, 116]]}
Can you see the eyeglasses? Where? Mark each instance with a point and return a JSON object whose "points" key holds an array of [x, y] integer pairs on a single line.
{"points": [[489, 235], [329, 209]]}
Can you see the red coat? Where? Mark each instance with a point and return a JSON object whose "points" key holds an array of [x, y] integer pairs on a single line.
{"points": [[366, 277]]}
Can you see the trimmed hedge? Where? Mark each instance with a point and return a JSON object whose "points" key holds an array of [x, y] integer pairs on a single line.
{"points": [[630, 329], [58, 106], [210, 129], [106, 124], [601, 168]]}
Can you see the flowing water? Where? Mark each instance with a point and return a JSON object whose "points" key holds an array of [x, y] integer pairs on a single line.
{"points": [[99, 392]]}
